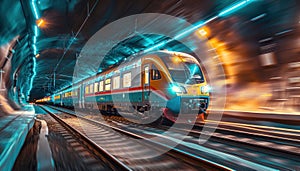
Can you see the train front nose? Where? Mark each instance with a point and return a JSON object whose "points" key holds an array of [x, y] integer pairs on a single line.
{"points": [[194, 105], [188, 105]]}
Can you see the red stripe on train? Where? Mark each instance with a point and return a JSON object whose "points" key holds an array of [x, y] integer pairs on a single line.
{"points": [[126, 90]]}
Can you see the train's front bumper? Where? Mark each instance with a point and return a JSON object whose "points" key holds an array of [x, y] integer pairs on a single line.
{"points": [[188, 104]]}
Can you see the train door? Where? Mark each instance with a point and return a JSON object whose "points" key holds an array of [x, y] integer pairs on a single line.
{"points": [[146, 83], [82, 95], [61, 99], [79, 94]]}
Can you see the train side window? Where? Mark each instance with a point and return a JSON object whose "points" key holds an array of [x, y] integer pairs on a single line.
{"points": [[107, 84], [127, 79], [116, 82], [155, 74], [86, 89], [146, 70], [96, 87], [91, 88], [101, 86]]}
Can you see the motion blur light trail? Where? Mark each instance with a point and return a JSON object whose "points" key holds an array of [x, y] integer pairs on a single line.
{"points": [[35, 12], [227, 11], [230, 10]]}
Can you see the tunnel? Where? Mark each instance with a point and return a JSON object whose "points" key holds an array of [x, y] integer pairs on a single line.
{"points": [[150, 85]]}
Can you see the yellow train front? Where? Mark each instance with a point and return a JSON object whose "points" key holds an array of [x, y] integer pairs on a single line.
{"points": [[176, 84]]}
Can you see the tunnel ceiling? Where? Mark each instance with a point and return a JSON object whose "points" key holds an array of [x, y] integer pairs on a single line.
{"points": [[67, 26]]}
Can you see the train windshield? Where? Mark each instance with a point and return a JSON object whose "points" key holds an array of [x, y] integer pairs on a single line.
{"points": [[184, 70]]}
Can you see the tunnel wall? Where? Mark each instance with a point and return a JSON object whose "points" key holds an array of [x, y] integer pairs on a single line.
{"points": [[261, 72], [17, 75]]}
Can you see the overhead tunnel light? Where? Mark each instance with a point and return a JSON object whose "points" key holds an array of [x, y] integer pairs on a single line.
{"points": [[40, 23], [202, 32]]}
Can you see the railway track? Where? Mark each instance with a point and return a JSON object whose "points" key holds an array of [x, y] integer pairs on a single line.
{"points": [[91, 155], [255, 156], [283, 140], [276, 157], [124, 146]]}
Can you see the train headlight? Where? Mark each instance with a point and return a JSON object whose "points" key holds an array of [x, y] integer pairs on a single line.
{"points": [[205, 89], [178, 89]]}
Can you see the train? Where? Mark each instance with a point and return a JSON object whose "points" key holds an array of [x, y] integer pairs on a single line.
{"points": [[162, 82]]}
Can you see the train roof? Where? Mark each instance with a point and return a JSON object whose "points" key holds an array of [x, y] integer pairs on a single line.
{"points": [[130, 59]]}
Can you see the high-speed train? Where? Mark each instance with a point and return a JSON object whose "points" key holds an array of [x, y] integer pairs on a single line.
{"points": [[165, 82]]}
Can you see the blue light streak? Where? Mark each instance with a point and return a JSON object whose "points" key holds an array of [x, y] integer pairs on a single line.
{"points": [[234, 8], [34, 49], [283, 32], [223, 13], [258, 17], [35, 30], [157, 46], [33, 75], [34, 39], [193, 28], [35, 12]]}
